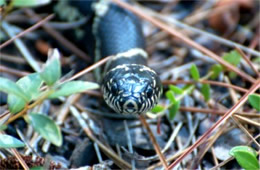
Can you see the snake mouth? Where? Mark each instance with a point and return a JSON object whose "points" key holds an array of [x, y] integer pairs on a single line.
{"points": [[130, 106]]}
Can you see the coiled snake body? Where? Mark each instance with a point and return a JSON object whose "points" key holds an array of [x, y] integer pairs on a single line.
{"points": [[128, 86]]}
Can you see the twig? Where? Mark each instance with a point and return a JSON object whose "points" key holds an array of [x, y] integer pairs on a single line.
{"points": [[13, 71], [129, 143], [86, 70], [230, 112], [30, 29], [185, 39], [209, 144], [154, 142], [11, 58], [18, 156], [20, 159], [222, 163], [248, 61], [249, 121], [64, 111], [218, 112], [224, 41], [172, 137], [100, 160], [231, 158], [59, 37], [119, 161], [214, 156], [4, 117], [21, 47], [245, 131], [168, 82]]}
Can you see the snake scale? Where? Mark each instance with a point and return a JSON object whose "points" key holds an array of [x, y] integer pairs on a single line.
{"points": [[129, 86]]}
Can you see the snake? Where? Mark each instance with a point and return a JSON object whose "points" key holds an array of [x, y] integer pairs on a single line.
{"points": [[128, 85]]}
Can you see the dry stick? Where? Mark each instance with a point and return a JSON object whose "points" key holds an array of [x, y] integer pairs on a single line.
{"points": [[21, 47], [30, 29], [13, 71], [152, 167], [12, 58], [209, 144], [4, 117], [231, 158], [185, 39], [248, 121], [99, 63], [245, 131], [18, 156], [218, 112], [168, 82], [59, 37], [215, 159], [155, 144], [223, 41], [20, 159], [230, 112], [123, 164], [248, 61]]}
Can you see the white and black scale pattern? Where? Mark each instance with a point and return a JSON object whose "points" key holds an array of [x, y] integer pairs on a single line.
{"points": [[128, 86]]}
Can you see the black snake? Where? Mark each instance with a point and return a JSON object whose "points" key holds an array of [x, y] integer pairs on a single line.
{"points": [[128, 85]]}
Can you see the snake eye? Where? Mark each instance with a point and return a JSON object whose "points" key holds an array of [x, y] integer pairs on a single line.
{"points": [[149, 93], [114, 89]]}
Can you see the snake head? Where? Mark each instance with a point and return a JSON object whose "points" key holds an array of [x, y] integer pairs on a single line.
{"points": [[131, 89]]}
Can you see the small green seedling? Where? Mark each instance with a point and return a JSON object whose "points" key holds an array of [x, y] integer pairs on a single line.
{"points": [[32, 90], [246, 157]]}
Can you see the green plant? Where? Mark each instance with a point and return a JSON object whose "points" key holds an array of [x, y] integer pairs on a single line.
{"points": [[246, 157], [232, 57], [32, 90], [26, 3], [254, 100]]}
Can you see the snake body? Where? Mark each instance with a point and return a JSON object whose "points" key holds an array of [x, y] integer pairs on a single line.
{"points": [[128, 85]]}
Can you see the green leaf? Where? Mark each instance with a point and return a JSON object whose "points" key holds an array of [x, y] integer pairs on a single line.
{"points": [[37, 168], [73, 87], [170, 95], [10, 87], [246, 157], [176, 89], [52, 70], [254, 100], [46, 128], [216, 69], [194, 72], [15, 104], [232, 75], [3, 127], [2, 2], [30, 3], [7, 141], [188, 88], [174, 109], [205, 89], [157, 109], [256, 60], [30, 85], [232, 57]]}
